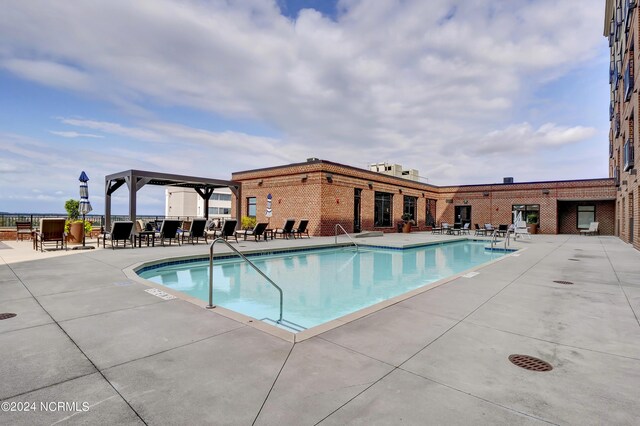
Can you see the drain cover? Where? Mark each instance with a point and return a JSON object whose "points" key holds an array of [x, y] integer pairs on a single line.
{"points": [[562, 282], [530, 363], [6, 315]]}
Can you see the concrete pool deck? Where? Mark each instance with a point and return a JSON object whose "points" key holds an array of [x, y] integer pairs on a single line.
{"points": [[86, 333]]}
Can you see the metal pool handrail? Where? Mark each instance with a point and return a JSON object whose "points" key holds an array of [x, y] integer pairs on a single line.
{"points": [[345, 233], [222, 240], [494, 239]]}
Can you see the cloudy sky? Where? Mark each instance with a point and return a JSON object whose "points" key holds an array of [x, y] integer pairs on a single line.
{"points": [[464, 91]]}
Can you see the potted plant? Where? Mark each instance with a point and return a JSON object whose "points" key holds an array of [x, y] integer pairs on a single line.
{"points": [[532, 221], [406, 218], [75, 228]]}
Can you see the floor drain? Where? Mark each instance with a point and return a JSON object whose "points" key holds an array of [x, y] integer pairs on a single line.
{"points": [[562, 282], [575, 260], [530, 363], [4, 316]]}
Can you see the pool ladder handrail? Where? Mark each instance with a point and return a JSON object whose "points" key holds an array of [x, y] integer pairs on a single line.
{"points": [[494, 239], [345, 233], [222, 240]]}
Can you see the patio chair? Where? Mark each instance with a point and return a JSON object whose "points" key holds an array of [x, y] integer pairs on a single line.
{"points": [[22, 229], [479, 231], [502, 230], [228, 230], [437, 229], [302, 229], [445, 228], [257, 231], [457, 228], [196, 231], [593, 229], [168, 231], [287, 229], [120, 231], [489, 229], [465, 228], [51, 231], [520, 228]]}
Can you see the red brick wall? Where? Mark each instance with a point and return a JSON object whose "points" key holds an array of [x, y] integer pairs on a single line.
{"points": [[568, 214], [327, 202]]}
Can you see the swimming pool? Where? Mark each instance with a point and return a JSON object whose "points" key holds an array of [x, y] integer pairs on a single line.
{"points": [[319, 285]]}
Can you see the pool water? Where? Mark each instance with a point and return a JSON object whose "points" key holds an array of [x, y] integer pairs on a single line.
{"points": [[320, 285]]}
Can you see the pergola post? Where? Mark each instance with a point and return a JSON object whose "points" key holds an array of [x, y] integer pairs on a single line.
{"points": [[107, 206], [238, 194], [206, 195]]}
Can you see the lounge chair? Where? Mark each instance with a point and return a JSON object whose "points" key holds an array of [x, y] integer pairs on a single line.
{"points": [[22, 229], [228, 230], [169, 231], [502, 230], [51, 231], [302, 229], [489, 229], [593, 229], [465, 228], [520, 228], [120, 231], [480, 231], [457, 228], [287, 229], [196, 231], [257, 231], [446, 228]]}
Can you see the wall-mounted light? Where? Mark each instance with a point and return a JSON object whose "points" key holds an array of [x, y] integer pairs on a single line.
{"points": [[485, 194], [370, 185], [465, 202], [329, 177], [337, 200], [260, 182], [400, 190], [305, 177], [545, 191], [423, 195], [449, 201]]}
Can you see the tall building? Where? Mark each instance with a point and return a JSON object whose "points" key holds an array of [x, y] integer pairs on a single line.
{"points": [[185, 202], [622, 28]]}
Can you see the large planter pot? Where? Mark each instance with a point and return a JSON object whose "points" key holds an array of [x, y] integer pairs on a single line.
{"points": [[533, 228], [406, 228], [75, 233]]}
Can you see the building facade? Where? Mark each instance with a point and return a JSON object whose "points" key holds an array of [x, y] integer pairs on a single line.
{"points": [[622, 28], [185, 202], [329, 193]]}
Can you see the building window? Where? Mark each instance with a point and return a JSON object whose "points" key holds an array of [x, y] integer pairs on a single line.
{"points": [[431, 212], [411, 207], [221, 197], [530, 212], [382, 209], [251, 206], [586, 215], [219, 211]]}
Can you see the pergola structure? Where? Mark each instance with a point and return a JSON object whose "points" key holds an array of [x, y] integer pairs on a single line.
{"points": [[136, 179]]}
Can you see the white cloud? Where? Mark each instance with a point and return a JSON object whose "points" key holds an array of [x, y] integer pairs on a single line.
{"points": [[73, 135], [409, 81]]}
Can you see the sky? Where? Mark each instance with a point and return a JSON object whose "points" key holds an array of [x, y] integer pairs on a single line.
{"points": [[467, 92]]}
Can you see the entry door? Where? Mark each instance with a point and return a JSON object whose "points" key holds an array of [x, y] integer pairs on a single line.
{"points": [[357, 194], [463, 214]]}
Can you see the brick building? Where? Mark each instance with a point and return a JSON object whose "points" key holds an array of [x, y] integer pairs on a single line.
{"points": [[328, 193], [622, 27]]}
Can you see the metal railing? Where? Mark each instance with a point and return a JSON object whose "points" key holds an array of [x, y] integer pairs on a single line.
{"points": [[345, 233], [494, 238], [222, 240]]}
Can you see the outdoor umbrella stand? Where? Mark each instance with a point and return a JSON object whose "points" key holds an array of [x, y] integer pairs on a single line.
{"points": [[85, 207]]}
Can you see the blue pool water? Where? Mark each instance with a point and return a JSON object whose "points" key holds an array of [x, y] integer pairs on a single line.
{"points": [[320, 285]]}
